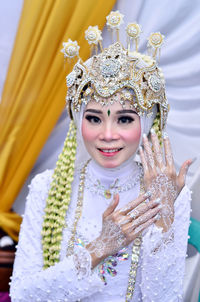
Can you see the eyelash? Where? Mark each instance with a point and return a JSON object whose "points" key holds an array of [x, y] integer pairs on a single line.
{"points": [[93, 119], [121, 120], [125, 120]]}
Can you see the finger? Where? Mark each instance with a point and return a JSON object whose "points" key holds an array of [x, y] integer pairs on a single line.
{"points": [[112, 206], [145, 225], [133, 204], [143, 160], [139, 210], [144, 217], [143, 208], [183, 172], [168, 151], [158, 155], [148, 152]]}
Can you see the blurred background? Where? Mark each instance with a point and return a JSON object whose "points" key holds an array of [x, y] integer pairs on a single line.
{"points": [[33, 119]]}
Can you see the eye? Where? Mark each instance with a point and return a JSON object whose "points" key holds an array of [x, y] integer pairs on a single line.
{"points": [[125, 120], [93, 119]]}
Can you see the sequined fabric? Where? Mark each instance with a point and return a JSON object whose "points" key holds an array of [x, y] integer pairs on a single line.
{"points": [[161, 264]]}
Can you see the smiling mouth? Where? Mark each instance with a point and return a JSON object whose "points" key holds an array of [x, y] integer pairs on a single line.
{"points": [[114, 150]]}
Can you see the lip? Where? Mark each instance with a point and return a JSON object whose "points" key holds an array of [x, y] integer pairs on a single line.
{"points": [[109, 153]]}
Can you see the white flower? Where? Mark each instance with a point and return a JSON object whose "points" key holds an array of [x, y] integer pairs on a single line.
{"points": [[114, 19], [133, 30], [70, 49], [93, 35], [156, 40]]}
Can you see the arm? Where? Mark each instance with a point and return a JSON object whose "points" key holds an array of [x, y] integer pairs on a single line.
{"points": [[160, 176], [164, 245], [61, 282], [164, 255]]}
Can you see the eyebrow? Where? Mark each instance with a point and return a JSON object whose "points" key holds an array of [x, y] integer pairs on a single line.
{"points": [[94, 111], [126, 111]]}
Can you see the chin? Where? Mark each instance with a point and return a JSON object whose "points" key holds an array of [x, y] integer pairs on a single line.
{"points": [[109, 164]]}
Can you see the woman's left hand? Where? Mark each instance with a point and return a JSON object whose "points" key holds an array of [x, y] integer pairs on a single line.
{"points": [[160, 176]]}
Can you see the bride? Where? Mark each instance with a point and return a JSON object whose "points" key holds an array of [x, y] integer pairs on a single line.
{"points": [[110, 223]]}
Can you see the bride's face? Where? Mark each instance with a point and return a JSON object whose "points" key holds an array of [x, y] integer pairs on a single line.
{"points": [[111, 134]]}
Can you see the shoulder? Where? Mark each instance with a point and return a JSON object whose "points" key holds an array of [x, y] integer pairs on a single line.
{"points": [[41, 180], [38, 191]]}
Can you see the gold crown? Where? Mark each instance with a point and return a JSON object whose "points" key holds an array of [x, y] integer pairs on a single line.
{"points": [[115, 69]]}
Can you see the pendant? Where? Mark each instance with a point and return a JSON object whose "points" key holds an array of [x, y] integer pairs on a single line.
{"points": [[107, 194]]}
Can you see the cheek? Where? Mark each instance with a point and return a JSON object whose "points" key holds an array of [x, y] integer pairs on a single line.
{"points": [[133, 135], [87, 132]]}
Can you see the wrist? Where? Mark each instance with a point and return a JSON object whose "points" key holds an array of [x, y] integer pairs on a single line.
{"points": [[95, 259]]}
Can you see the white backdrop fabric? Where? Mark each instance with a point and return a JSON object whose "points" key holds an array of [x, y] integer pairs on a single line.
{"points": [[180, 60]]}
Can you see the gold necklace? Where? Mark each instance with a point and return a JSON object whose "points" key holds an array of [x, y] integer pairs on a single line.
{"points": [[136, 243]]}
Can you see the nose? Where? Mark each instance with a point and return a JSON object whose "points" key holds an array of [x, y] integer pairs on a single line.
{"points": [[109, 133]]}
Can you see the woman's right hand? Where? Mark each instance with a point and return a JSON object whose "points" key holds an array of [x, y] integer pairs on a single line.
{"points": [[121, 227]]}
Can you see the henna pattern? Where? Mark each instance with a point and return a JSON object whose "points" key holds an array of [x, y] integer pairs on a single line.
{"points": [[110, 241], [165, 188]]}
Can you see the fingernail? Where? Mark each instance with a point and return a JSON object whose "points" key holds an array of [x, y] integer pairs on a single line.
{"points": [[152, 131], [140, 148], [165, 135], [157, 201], [147, 194], [160, 206], [157, 217], [144, 135]]}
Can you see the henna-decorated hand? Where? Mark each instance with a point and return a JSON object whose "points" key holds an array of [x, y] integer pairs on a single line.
{"points": [[160, 176], [121, 227]]}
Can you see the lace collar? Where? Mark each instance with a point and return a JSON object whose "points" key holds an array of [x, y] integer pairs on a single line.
{"points": [[106, 182]]}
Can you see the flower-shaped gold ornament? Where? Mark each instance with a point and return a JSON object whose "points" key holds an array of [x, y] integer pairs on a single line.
{"points": [[114, 20], [70, 49], [133, 30], [155, 40], [93, 35]]}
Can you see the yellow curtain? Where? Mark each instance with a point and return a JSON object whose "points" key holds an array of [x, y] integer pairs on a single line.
{"points": [[34, 92]]}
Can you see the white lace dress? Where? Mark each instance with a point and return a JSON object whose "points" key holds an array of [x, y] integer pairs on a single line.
{"points": [[162, 258]]}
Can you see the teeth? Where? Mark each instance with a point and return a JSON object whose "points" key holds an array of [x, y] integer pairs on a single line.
{"points": [[110, 151]]}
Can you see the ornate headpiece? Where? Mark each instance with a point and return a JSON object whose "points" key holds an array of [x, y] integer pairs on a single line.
{"points": [[116, 69]]}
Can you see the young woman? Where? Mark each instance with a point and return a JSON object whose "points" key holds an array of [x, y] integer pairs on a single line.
{"points": [[103, 226]]}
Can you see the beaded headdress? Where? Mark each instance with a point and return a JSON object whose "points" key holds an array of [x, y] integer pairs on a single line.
{"points": [[115, 69]]}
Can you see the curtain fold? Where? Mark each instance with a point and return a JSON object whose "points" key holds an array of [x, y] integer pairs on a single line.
{"points": [[34, 91]]}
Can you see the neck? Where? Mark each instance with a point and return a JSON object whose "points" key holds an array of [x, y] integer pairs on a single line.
{"points": [[108, 175]]}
